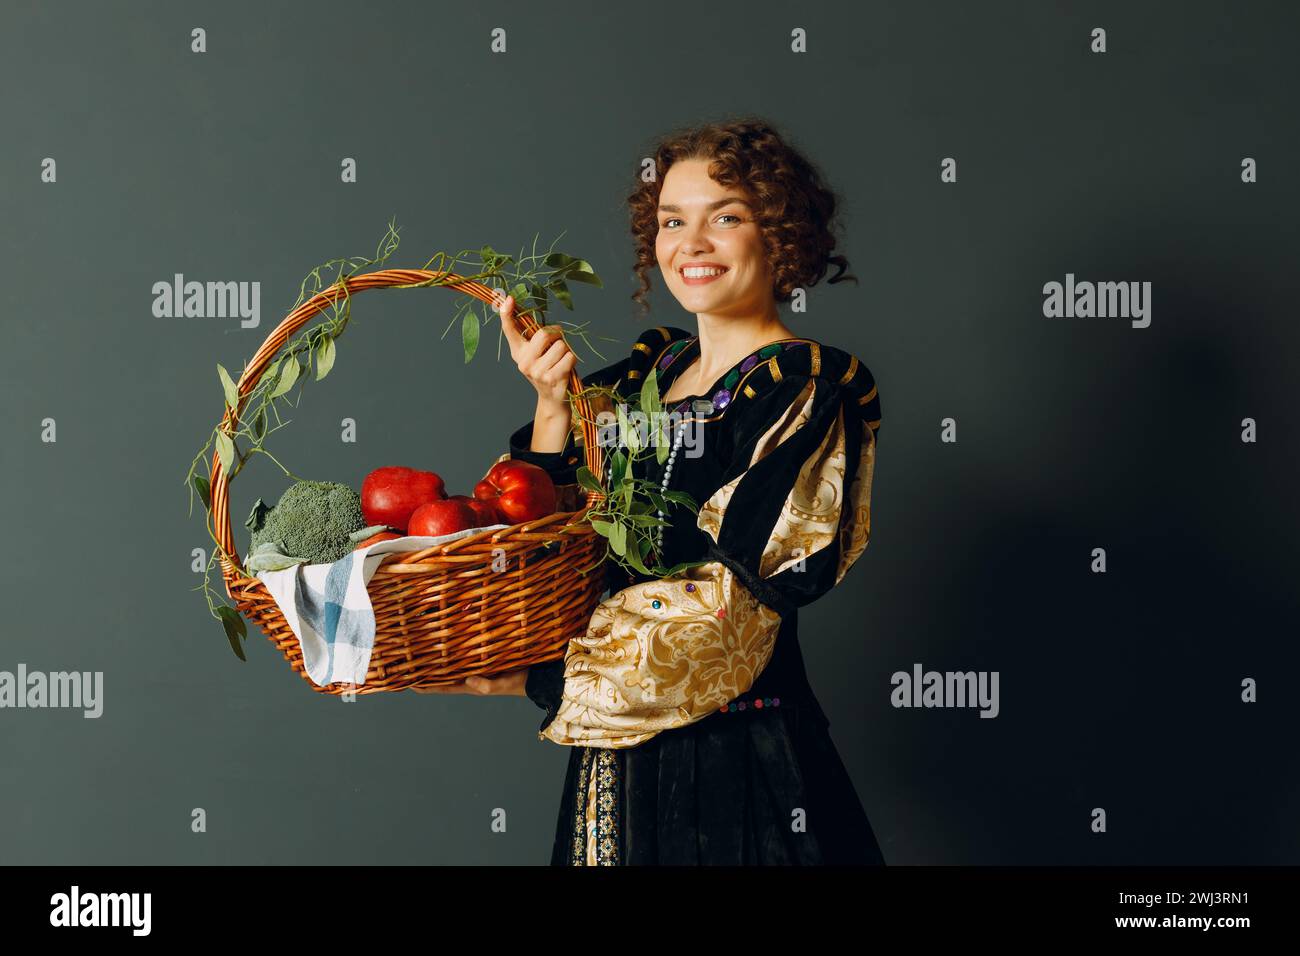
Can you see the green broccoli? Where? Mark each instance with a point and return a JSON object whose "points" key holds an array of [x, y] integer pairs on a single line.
{"points": [[313, 520]]}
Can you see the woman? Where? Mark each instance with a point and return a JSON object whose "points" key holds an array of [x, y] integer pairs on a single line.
{"points": [[694, 736]]}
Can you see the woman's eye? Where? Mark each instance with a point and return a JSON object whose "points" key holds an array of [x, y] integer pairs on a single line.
{"points": [[668, 222]]}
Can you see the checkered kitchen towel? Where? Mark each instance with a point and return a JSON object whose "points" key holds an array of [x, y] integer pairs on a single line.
{"points": [[328, 607]]}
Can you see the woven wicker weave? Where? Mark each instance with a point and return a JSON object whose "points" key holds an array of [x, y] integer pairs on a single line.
{"points": [[444, 613]]}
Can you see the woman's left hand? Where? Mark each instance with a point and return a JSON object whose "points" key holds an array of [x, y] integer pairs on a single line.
{"points": [[510, 683]]}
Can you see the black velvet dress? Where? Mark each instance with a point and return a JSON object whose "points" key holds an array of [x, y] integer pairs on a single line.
{"points": [[756, 778]]}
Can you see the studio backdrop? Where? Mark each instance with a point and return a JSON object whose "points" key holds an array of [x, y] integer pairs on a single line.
{"points": [[1074, 230]]}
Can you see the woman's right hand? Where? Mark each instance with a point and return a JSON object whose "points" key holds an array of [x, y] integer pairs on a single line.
{"points": [[545, 360]]}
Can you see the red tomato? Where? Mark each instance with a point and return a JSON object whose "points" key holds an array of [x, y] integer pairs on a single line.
{"points": [[390, 495], [446, 516], [520, 490]]}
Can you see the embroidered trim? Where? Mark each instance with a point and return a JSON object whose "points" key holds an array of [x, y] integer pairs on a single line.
{"points": [[676, 348], [578, 825], [644, 349], [735, 382], [758, 703], [774, 372], [599, 767], [738, 373], [607, 787]]}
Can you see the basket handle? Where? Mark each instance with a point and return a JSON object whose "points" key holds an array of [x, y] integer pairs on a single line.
{"points": [[383, 279]]}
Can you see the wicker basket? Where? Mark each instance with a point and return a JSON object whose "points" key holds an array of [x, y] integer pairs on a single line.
{"points": [[442, 614]]}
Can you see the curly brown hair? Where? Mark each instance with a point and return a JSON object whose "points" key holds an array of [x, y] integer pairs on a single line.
{"points": [[794, 208]]}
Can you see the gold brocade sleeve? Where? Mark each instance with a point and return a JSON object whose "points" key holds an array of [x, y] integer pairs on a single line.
{"points": [[660, 655], [663, 654]]}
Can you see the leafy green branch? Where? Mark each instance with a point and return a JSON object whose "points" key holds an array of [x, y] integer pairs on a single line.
{"points": [[628, 514], [533, 279]]}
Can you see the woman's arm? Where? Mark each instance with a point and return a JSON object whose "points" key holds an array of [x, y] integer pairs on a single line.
{"points": [[550, 426], [786, 526]]}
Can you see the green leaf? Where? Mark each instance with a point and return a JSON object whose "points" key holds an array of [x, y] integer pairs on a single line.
{"points": [[618, 466], [587, 480], [582, 272], [288, 374], [234, 627], [618, 538], [568, 268], [203, 487], [469, 333], [561, 291], [645, 521], [259, 425], [272, 372], [650, 394], [225, 451], [228, 386], [272, 559], [636, 561], [602, 527], [324, 357], [257, 516], [681, 498]]}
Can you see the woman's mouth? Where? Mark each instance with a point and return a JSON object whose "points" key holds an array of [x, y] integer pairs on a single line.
{"points": [[701, 275]]}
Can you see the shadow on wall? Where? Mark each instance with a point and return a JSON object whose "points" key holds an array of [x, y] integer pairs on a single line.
{"points": [[1120, 690]]}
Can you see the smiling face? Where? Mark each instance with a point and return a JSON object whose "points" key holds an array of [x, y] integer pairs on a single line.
{"points": [[709, 245]]}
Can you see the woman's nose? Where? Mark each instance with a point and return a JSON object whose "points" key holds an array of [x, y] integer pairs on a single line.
{"points": [[695, 241]]}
